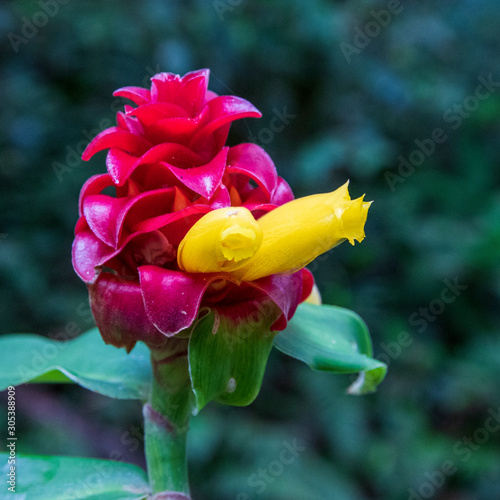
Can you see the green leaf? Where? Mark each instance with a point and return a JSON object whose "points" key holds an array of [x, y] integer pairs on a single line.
{"points": [[68, 478], [86, 360], [332, 339], [228, 356]]}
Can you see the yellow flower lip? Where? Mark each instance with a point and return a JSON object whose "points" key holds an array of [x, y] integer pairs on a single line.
{"points": [[282, 241], [350, 219]]}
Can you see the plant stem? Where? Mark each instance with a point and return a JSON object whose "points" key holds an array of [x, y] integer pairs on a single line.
{"points": [[166, 424]]}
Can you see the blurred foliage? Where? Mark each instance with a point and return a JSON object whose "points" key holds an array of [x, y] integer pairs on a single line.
{"points": [[346, 118]]}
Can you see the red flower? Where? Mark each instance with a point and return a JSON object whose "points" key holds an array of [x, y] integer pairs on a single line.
{"points": [[169, 166]]}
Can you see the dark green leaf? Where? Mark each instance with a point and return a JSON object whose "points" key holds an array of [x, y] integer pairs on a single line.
{"points": [[332, 339], [86, 360], [70, 478]]}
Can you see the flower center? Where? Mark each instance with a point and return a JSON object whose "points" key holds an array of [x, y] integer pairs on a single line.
{"points": [[221, 241], [238, 243]]}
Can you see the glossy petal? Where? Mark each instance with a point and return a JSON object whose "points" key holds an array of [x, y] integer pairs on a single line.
{"points": [[118, 309], [138, 95], [87, 252], [222, 111], [195, 85], [175, 129], [252, 161], [165, 87], [188, 91], [102, 213], [172, 298], [189, 216], [307, 285], [115, 137], [256, 197], [172, 153], [220, 198], [135, 210], [150, 113], [283, 193], [206, 179], [121, 164], [81, 225], [285, 291], [130, 123], [94, 185]]}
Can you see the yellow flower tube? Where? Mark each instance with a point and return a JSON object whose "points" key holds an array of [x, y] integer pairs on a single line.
{"points": [[280, 242], [297, 232]]}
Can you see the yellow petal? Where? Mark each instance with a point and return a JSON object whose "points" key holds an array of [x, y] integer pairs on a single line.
{"points": [[220, 241], [297, 232]]}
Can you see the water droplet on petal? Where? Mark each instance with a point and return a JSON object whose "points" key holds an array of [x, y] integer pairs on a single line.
{"points": [[231, 385]]}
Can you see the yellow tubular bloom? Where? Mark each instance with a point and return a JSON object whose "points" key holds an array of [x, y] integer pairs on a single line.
{"points": [[297, 232], [220, 241], [290, 236]]}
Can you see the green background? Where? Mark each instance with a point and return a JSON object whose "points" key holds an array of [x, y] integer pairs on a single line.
{"points": [[426, 279]]}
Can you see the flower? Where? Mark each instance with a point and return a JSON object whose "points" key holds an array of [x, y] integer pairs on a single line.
{"points": [[193, 223], [282, 241]]}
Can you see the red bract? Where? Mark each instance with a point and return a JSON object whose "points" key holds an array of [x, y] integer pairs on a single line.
{"points": [[168, 165]]}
